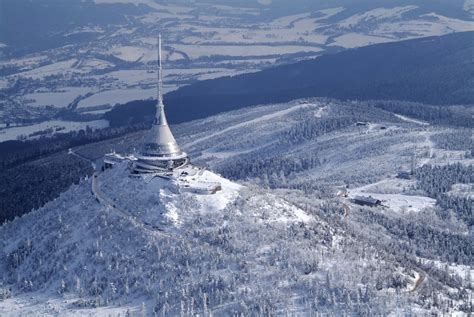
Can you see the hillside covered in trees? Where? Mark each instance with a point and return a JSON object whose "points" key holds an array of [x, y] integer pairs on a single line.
{"points": [[435, 70], [285, 223]]}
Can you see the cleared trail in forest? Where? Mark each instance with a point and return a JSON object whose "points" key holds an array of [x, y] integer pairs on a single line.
{"points": [[242, 124], [82, 157], [430, 144], [104, 200]]}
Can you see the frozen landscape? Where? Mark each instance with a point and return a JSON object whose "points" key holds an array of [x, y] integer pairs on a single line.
{"points": [[268, 198], [203, 41], [276, 240]]}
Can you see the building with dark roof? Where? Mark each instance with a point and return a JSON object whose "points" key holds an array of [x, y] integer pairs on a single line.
{"points": [[366, 201]]}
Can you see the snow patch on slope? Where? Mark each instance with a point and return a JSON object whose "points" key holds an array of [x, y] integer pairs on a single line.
{"points": [[58, 68], [283, 211], [407, 119], [375, 14], [150, 3], [426, 25], [353, 40], [222, 198]]}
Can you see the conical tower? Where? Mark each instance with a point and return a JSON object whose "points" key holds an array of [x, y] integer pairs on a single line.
{"points": [[160, 151]]}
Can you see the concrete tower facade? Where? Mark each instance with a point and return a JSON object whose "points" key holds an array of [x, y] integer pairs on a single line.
{"points": [[160, 152]]}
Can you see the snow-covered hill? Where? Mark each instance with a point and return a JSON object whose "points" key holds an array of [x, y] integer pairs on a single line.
{"points": [[278, 242], [171, 251]]}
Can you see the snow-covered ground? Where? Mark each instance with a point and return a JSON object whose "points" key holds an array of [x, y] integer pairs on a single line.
{"points": [[143, 192], [112, 97], [247, 249], [63, 68], [232, 37], [148, 204], [399, 203], [391, 192], [429, 25], [148, 77], [352, 40], [133, 53], [407, 119], [45, 305], [57, 99], [462, 190], [51, 127], [196, 51], [266, 117], [166, 189], [375, 14], [465, 272]]}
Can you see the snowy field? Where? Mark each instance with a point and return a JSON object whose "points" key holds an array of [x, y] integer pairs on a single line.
{"points": [[200, 38], [196, 51], [391, 192], [57, 99], [353, 40], [132, 53], [375, 14], [177, 76], [63, 68], [51, 127], [112, 97], [398, 203]]}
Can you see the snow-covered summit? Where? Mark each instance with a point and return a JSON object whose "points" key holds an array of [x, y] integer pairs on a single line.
{"points": [[116, 241], [160, 201]]}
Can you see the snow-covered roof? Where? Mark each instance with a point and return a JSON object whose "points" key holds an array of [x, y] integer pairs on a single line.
{"points": [[367, 200]]}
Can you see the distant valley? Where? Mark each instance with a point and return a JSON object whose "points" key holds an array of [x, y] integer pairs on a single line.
{"points": [[106, 53]]}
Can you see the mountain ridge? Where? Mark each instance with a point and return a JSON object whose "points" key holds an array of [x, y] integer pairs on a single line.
{"points": [[361, 73], [356, 74]]}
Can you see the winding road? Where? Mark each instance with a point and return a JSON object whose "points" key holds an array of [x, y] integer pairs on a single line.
{"points": [[104, 200]]}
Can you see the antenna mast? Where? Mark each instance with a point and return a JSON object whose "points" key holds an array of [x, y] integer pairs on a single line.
{"points": [[160, 75]]}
